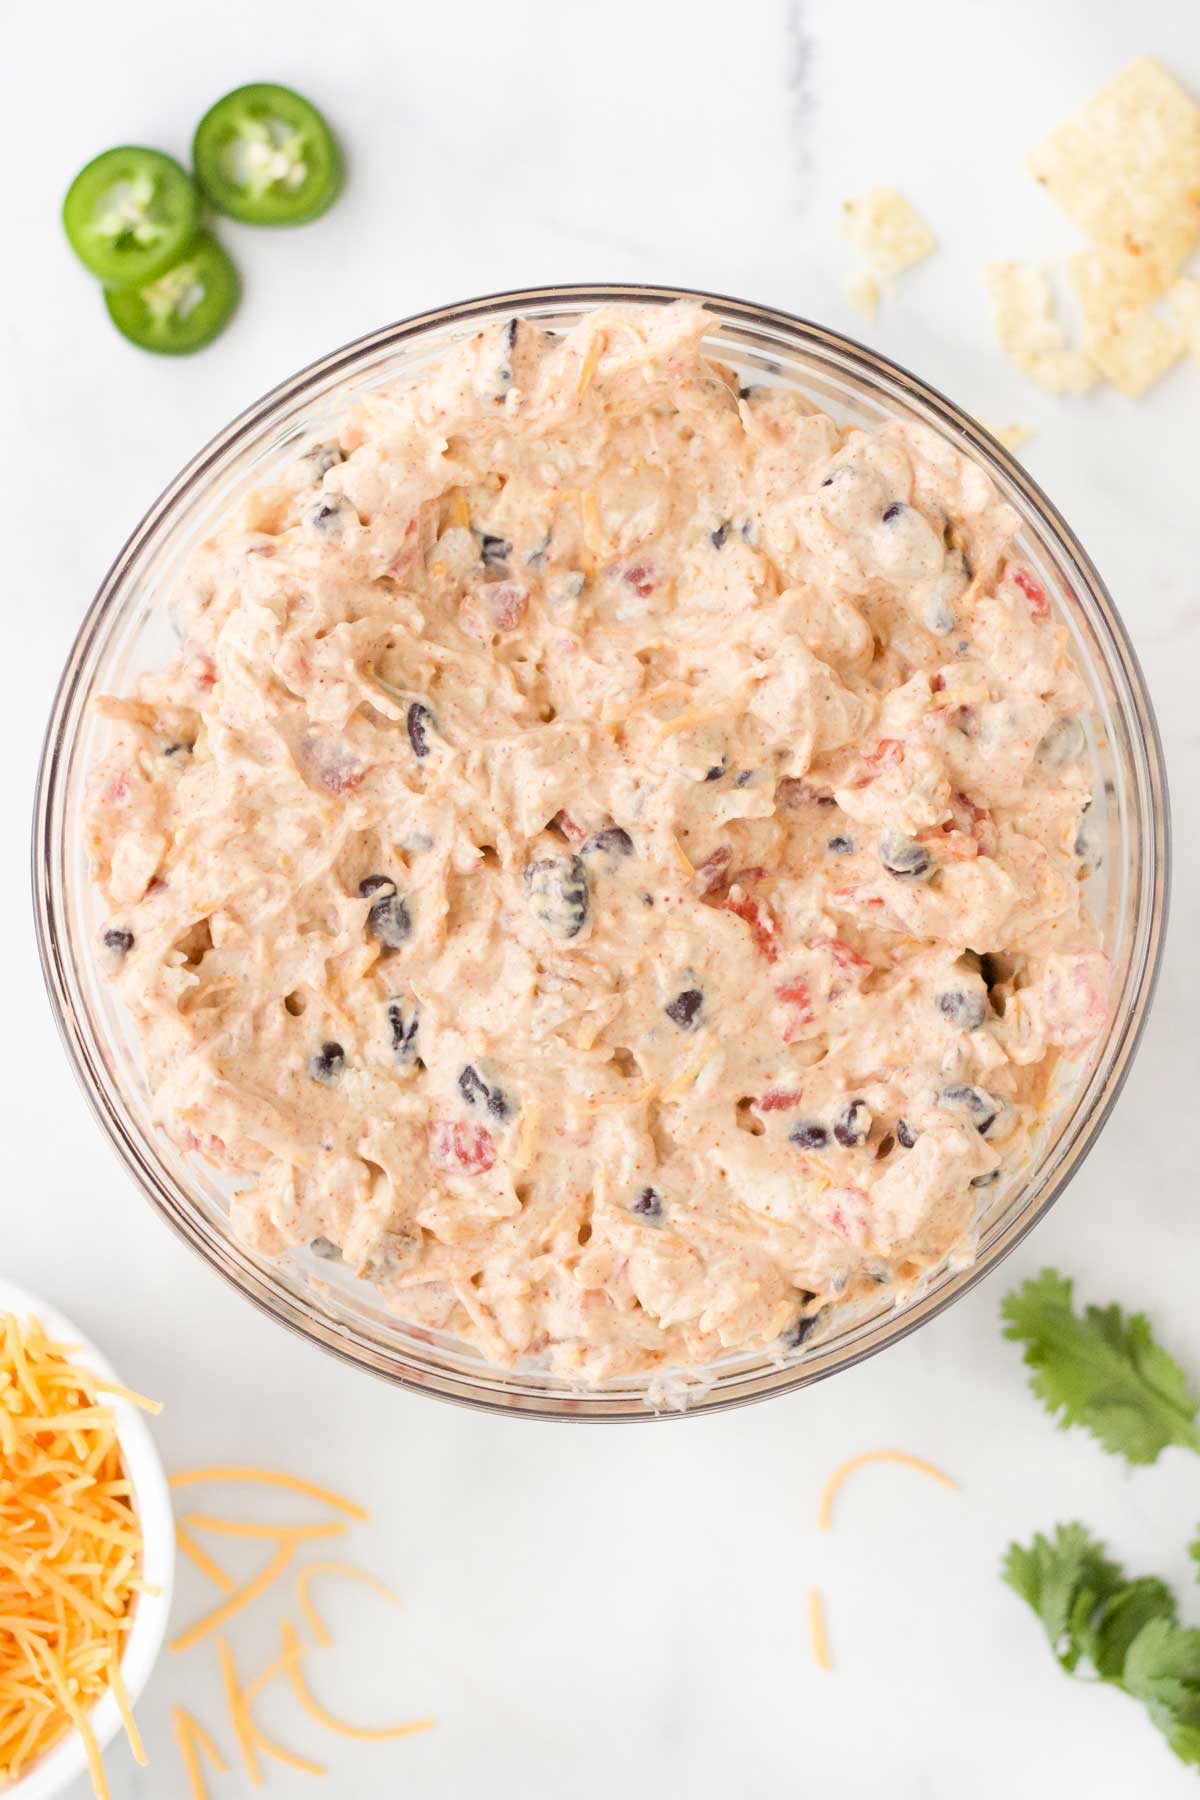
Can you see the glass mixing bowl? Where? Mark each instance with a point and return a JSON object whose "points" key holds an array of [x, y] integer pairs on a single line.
{"points": [[127, 628]]}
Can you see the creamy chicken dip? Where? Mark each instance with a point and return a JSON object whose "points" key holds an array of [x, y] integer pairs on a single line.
{"points": [[606, 860]]}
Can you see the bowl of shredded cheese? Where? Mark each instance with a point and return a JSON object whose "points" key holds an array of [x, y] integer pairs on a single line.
{"points": [[87, 1552]]}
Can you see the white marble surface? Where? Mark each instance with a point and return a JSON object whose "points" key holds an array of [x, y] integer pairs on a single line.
{"points": [[590, 1612]]}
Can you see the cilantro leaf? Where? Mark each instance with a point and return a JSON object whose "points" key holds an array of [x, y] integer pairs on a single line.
{"points": [[1101, 1370], [1124, 1633], [1064, 1582], [1106, 1635]]}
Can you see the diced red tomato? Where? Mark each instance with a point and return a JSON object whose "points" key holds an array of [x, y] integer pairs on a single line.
{"points": [[200, 669], [847, 958], [764, 926], [778, 1100], [115, 789], [573, 833], [462, 1148], [504, 603], [887, 755], [794, 793], [953, 846], [851, 898], [714, 870], [797, 992], [1033, 591], [641, 578]]}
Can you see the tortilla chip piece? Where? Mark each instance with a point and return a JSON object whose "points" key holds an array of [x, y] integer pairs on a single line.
{"points": [[1184, 302], [1027, 328], [1060, 371], [862, 291], [1023, 308], [1112, 284], [1011, 436], [885, 228], [1126, 167], [1136, 353]]}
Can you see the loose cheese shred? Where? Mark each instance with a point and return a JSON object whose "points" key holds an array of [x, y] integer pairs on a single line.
{"points": [[239, 1600], [242, 1528], [204, 1561], [368, 1734], [71, 1556], [252, 1737], [269, 1478], [527, 1138], [239, 1712], [585, 1109], [595, 351], [825, 1515], [333, 1568], [189, 1733], [818, 1636]]}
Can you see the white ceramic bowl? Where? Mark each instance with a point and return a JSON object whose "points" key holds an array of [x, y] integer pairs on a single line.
{"points": [[51, 1773]]}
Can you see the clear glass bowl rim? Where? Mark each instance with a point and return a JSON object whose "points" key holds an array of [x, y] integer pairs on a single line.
{"points": [[876, 372]]}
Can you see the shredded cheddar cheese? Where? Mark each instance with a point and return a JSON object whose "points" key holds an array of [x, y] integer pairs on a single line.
{"points": [[367, 1734], [825, 1514], [203, 1561], [306, 1575], [238, 1600], [595, 351], [818, 1636], [191, 1737], [70, 1551], [269, 1478]]}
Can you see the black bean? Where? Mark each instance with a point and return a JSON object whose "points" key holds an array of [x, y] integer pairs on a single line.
{"points": [[741, 779], [809, 1134], [118, 939], [840, 846], [1065, 742], [389, 919], [327, 1062], [939, 617], [471, 1086], [327, 516], [903, 858], [982, 1106], [716, 772], [494, 550], [612, 841], [684, 1008], [966, 1010], [982, 1181], [852, 1126], [404, 1031], [326, 1249], [179, 749], [804, 1327], [558, 890], [905, 1133], [892, 513], [648, 1205], [717, 538], [321, 458], [419, 723], [749, 389]]}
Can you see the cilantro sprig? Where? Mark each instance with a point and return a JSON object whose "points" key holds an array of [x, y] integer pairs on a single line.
{"points": [[1105, 1627], [1102, 1369]]}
